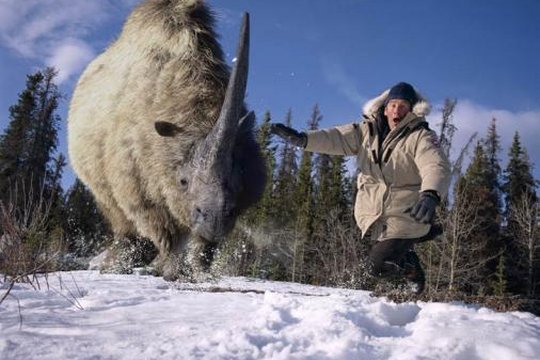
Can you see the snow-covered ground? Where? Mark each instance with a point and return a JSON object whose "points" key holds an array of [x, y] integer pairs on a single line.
{"points": [[85, 315]]}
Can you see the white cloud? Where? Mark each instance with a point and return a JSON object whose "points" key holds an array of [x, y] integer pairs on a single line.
{"points": [[12, 11], [70, 57], [470, 117], [50, 31]]}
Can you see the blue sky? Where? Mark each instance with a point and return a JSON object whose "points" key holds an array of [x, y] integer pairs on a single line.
{"points": [[339, 53]]}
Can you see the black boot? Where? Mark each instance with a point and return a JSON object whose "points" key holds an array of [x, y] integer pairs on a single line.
{"points": [[413, 272]]}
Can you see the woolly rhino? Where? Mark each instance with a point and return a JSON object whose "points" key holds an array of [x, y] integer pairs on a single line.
{"points": [[159, 132]]}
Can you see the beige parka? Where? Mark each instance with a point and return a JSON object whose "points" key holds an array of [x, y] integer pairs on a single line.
{"points": [[392, 173]]}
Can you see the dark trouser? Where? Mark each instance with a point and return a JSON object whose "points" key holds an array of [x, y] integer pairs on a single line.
{"points": [[396, 257], [387, 258]]}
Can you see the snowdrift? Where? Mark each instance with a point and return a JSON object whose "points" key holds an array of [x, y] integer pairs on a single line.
{"points": [[86, 315]]}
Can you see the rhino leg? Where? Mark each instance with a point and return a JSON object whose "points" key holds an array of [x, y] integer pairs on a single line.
{"points": [[189, 262], [127, 252], [200, 255]]}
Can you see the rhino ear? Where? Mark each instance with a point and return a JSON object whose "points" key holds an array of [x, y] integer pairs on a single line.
{"points": [[167, 129]]}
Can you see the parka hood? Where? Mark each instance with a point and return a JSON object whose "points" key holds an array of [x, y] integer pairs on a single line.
{"points": [[421, 108]]}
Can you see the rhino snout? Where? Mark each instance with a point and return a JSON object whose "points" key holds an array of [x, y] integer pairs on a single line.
{"points": [[211, 223]]}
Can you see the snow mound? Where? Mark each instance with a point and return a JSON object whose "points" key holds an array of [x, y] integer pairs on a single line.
{"points": [[86, 315]]}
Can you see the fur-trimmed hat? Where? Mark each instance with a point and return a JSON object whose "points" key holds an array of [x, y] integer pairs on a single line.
{"points": [[422, 107]]}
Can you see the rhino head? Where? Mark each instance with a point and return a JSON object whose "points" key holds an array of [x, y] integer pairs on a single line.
{"points": [[212, 179]]}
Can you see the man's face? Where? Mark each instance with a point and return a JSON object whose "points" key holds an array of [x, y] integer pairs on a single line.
{"points": [[395, 111]]}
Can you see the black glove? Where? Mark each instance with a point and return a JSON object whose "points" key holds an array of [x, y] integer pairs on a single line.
{"points": [[289, 134], [424, 209]]}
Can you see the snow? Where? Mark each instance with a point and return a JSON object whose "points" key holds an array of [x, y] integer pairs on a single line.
{"points": [[87, 315]]}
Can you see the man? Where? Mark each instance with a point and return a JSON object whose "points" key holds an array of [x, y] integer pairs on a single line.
{"points": [[403, 176]]}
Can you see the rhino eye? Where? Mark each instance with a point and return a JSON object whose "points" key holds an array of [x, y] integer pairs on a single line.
{"points": [[184, 182], [167, 129]]}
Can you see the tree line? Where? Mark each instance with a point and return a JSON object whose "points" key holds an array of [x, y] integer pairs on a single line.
{"points": [[303, 228], [41, 225]]}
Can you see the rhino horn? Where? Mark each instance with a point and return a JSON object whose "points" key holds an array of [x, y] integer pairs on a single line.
{"points": [[221, 139]]}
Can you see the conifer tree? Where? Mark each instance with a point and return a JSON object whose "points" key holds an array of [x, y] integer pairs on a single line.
{"points": [[338, 186], [14, 141], [493, 147], [477, 187], [521, 212], [265, 208], [30, 172], [304, 198], [319, 251], [304, 194], [323, 184], [30, 140], [85, 226], [286, 179], [518, 178]]}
